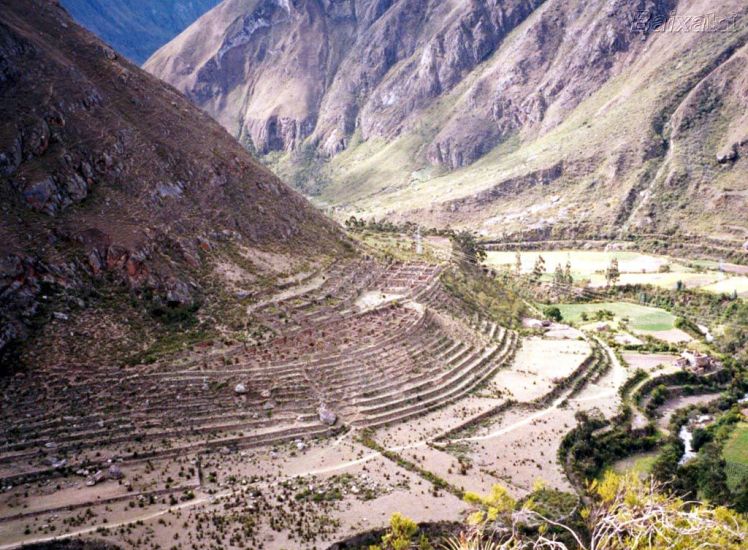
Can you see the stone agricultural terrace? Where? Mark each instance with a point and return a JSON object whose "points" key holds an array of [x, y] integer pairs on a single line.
{"points": [[371, 345]]}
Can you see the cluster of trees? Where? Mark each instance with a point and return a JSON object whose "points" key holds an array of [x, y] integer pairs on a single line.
{"points": [[703, 477], [598, 315], [587, 453], [467, 249], [553, 313], [384, 226], [486, 295]]}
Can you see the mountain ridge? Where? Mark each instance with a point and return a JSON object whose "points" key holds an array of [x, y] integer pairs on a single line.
{"points": [[421, 104]]}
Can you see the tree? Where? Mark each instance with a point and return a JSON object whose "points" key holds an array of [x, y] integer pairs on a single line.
{"points": [[559, 277], [625, 513], [613, 273], [568, 278], [538, 269], [467, 248], [400, 535], [518, 263], [553, 313], [712, 478], [740, 500]]}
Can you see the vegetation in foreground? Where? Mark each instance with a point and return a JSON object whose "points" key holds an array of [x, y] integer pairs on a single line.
{"points": [[620, 513]]}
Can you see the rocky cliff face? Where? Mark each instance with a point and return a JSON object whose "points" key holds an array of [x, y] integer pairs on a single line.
{"points": [[388, 106], [109, 176], [279, 72], [137, 28]]}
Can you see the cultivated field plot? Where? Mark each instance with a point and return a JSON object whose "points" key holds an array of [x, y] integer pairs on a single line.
{"points": [[651, 362], [735, 454], [636, 268], [640, 464], [729, 285], [640, 318], [583, 262], [538, 366]]}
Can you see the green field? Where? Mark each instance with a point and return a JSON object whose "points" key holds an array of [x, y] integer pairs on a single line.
{"points": [[635, 268], [640, 464], [730, 285], [736, 455], [640, 317]]}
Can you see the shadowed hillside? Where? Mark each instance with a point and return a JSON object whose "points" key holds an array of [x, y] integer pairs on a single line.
{"points": [[137, 28], [110, 177]]}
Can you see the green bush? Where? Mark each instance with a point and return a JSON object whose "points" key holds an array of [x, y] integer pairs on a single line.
{"points": [[553, 313]]}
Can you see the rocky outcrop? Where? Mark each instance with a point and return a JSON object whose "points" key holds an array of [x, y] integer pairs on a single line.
{"points": [[102, 179]]}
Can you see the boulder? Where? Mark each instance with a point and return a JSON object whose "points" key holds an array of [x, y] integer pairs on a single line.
{"points": [[326, 416], [177, 293], [730, 154], [240, 389]]}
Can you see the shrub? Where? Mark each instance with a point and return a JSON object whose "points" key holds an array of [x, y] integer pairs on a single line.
{"points": [[553, 313]]}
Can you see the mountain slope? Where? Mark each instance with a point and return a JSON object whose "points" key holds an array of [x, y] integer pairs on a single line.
{"points": [[137, 28], [552, 117], [111, 179]]}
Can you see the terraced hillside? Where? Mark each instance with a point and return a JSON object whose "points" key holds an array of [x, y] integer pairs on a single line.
{"points": [[372, 345]]}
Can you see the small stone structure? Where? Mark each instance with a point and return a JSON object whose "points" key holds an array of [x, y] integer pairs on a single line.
{"points": [[697, 363]]}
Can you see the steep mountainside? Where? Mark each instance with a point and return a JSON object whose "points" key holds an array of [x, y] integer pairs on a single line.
{"points": [[110, 178], [557, 117], [137, 28]]}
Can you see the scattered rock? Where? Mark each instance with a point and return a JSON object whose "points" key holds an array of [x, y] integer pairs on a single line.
{"points": [[240, 389], [98, 477]]}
